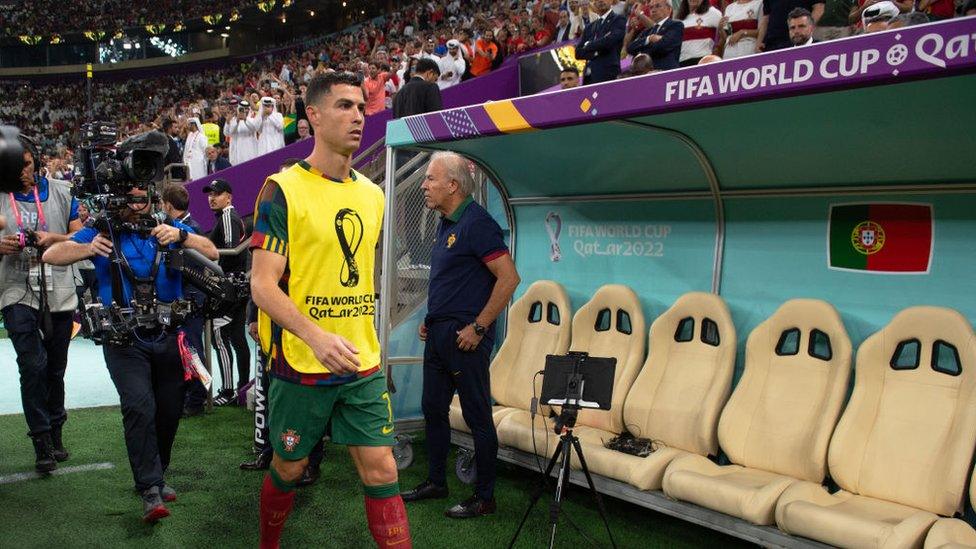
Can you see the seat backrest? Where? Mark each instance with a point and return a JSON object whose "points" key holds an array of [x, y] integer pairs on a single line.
{"points": [[909, 430], [611, 324], [782, 412], [538, 325], [680, 391]]}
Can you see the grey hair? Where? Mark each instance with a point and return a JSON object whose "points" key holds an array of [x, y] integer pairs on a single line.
{"points": [[911, 18], [456, 167]]}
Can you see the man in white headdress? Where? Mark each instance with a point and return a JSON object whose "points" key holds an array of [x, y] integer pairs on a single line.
{"points": [[195, 150], [241, 129], [271, 133]]}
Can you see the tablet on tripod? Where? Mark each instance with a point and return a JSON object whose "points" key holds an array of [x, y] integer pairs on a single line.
{"points": [[578, 380]]}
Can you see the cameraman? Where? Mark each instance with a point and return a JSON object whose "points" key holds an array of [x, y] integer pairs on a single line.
{"points": [[37, 301], [147, 371]]}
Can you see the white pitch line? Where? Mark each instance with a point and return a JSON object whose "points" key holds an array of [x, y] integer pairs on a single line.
{"points": [[19, 477]]}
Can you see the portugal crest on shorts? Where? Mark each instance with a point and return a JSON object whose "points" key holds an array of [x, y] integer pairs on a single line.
{"points": [[868, 237], [290, 439]]}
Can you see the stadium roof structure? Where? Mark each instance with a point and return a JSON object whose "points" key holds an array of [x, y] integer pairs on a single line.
{"points": [[879, 111]]}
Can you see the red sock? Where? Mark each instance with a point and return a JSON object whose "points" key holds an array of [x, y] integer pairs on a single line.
{"points": [[276, 503], [387, 519]]}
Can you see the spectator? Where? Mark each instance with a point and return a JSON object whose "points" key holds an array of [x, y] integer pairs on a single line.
{"points": [[702, 23], [428, 51], [451, 65], [569, 77], [195, 150], [662, 40], [242, 130], [834, 24], [420, 94], [215, 162], [210, 128], [301, 130], [600, 44], [877, 17], [773, 32], [485, 51], [711, 58], [375, 85], [800, 24], [271, 127], [565, 31], [743, 16], [937, 10], [175, 153], [639, 66], [908, 20]]}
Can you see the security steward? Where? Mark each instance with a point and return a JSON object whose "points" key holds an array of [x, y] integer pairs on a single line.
{"points": [[148, 371], [472, 278], [38, 300]]}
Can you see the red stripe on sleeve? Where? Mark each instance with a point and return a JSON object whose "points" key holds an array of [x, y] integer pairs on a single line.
{"points": [[494, 255]]}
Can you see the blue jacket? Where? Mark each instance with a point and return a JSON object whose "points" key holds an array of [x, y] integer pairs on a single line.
{"points": [[666, 51], [600, 46]]}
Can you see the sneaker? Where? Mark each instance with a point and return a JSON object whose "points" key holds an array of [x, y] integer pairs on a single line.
{"points": [[225, 398], [152, 505], [167, 493]]}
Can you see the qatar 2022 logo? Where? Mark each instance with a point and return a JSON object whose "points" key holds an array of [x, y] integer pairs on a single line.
{"points": [[349, 231]]}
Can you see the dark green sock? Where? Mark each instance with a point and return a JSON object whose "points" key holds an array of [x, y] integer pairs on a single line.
{"points": [[382, 491]]}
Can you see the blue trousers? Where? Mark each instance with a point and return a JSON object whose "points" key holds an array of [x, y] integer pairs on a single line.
{"points": [[447, 370]]}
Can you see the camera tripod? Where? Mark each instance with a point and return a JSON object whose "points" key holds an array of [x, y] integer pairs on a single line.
{"points": [[568, 442]]}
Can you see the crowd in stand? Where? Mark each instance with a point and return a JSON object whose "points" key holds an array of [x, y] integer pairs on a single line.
{"points": [[464, 39], [60, 17]]}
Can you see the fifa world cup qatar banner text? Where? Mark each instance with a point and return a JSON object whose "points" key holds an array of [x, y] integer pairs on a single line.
{"points": [[890, 53], [901, 55]]}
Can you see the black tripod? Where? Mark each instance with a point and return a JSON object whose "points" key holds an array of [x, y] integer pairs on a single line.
{"points": [[567, 442]]}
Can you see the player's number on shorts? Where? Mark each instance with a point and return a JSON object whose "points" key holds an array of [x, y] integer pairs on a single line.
{"points": [[389, 409]]}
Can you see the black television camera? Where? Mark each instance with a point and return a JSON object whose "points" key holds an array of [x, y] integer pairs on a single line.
{"points": [[105, 175], [11, 159]]}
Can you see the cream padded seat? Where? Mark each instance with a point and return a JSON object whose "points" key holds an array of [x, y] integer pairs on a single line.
{"points": [[538, 325], [610, 324], [953, 533], [777, 423], [679, 393], [902, 449], [950, 534]]}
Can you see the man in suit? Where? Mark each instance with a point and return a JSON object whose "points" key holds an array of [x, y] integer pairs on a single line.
{"points": [[215, 161], [662, 40], [600, 44], [421, 93]]}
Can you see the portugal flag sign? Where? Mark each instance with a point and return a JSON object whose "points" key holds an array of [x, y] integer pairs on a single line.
{"points": [[885, 238]]}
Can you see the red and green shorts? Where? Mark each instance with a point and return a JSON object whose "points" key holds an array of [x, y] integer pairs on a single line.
{"points": [[361, 414]]}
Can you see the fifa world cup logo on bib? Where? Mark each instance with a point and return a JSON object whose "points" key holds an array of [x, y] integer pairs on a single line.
{"points": [[349, 231]]}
